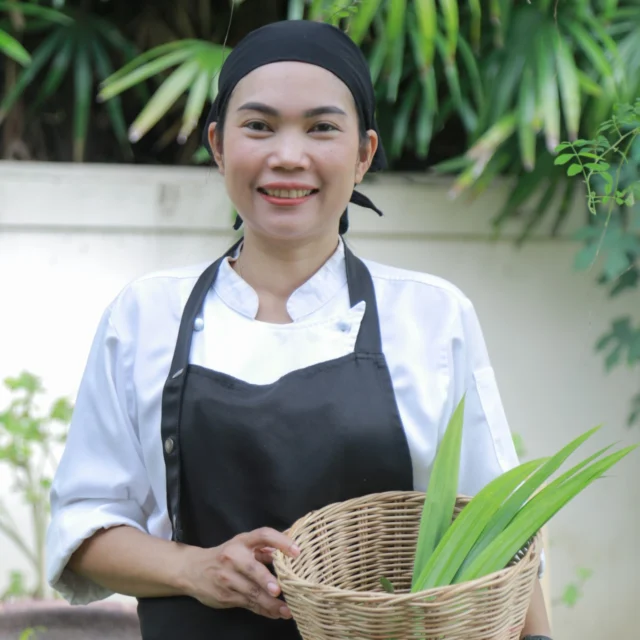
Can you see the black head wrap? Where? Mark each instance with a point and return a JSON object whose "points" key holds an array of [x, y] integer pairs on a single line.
{"points": [[315, 43]]}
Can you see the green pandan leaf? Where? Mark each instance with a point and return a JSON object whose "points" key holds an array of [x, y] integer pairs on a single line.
{"points": [[536, 513], [469, 525], [441, 493]]}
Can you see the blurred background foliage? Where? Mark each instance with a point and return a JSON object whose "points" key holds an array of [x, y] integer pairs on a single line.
{"points": [[474, 89]]}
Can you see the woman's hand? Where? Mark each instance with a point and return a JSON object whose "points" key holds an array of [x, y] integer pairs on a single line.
{"points": [[234, 574]]}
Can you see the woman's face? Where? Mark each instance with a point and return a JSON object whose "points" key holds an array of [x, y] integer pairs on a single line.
{"points": [[291, 150]]}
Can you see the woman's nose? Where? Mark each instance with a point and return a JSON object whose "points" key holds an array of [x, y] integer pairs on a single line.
{"points": [[289, 152]]}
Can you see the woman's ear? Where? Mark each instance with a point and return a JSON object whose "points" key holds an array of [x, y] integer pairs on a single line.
{"points": [[365, 155], [216, 146]]}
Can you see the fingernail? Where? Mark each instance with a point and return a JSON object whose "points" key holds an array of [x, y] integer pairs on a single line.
{"points": [[284, 612], [273, 588], [295, 549]]}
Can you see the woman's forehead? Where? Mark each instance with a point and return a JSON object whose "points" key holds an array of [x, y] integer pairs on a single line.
{"points": [[290, 83]]}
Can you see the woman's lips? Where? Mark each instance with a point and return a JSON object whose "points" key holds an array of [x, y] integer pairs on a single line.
{"points": [[286, 201]]}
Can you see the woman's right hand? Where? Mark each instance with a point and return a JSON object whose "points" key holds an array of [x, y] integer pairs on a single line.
{"points": [[234, 574]]}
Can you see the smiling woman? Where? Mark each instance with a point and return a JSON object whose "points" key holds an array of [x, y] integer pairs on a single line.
{"points": [[222, 402], [290, 160]]}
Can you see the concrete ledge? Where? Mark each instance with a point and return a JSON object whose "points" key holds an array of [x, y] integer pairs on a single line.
{"points": [[55, 620], [192, 200]]}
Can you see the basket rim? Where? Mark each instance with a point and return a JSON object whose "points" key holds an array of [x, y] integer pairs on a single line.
{"points": [[284, 572]]}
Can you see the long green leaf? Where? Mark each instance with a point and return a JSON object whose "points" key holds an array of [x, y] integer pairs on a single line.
{"points": [[487, 144], [395, 35], [427, 25], [451, 26], [83, 90], [401, 120], [583, 39], [453, 79], [495, 16], [143, 73], [195, 105], [526, 116], [475, 11], [424, 126], [471, 67], [377, 58], [535, 514], [589, 86], [596, 27], [361, 22], [548, 89], [441, 492], [164, 98], [510, 508], [452, 165], [494, 168], [569, 86], [153, 54], [12, 48], [460, 537], [39, 59], [114, 106]]}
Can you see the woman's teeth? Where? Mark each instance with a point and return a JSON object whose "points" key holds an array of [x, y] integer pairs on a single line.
{"points": [[288, 193]]}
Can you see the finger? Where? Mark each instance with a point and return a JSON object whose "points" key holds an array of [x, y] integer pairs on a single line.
{"points": [[264, 555], [250, 596], [267, 537], [258, 574]]}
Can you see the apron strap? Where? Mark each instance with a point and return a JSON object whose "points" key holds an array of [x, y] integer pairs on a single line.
{"points": [[361, 288]]}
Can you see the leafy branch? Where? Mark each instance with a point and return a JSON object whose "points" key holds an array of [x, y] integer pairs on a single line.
{"points": [[588, 158], [609, 166]]}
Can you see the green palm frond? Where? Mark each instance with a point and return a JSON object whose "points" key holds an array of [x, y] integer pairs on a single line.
{"points": [[76, 45], [195, 65]]}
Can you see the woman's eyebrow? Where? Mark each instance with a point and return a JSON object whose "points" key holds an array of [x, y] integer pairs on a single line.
{"points": [[309, 113]]}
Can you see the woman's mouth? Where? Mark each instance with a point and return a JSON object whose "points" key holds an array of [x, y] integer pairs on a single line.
{"points": [[286, 197]]}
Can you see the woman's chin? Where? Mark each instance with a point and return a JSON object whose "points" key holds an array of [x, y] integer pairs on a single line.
{"points": [[290, 225]]}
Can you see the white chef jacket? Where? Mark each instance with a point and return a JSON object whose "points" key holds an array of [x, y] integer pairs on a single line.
{"points": [[112, 471]]}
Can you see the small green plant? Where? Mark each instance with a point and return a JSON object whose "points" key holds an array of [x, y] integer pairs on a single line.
{"points": [[31, 633], [574, 590], [28, 442], [609, 165]]}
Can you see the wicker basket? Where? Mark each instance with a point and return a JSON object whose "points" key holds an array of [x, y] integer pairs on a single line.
{"points": [[333, 588]]}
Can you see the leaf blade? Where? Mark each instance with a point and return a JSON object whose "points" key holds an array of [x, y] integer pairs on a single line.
{"points": [[441, 492], [460, 537], [535, 514]]}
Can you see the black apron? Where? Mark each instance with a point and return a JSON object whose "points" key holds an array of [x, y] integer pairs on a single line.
{"points": [[241, 456]]}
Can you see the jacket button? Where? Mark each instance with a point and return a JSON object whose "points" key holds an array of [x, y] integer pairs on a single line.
{"points": [[198, 324], [168, 445]]}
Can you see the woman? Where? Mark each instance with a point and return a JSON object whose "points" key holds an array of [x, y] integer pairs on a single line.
{"points": [[220, 404]]}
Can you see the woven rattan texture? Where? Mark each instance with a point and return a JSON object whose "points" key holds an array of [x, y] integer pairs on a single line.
{"points": [[333, 588]]}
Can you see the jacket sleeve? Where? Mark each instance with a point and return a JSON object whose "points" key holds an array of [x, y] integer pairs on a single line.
{"points": [[487, 445], [101, 481], [488, 449]]}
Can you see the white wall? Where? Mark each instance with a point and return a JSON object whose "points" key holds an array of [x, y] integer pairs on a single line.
{"points": [[72, 236]]}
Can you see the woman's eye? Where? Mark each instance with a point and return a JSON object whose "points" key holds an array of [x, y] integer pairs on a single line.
{"points": [[324, 127], [256, 125]]}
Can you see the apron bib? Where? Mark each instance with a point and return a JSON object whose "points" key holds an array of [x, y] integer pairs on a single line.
{"points": [[241, 456]]}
